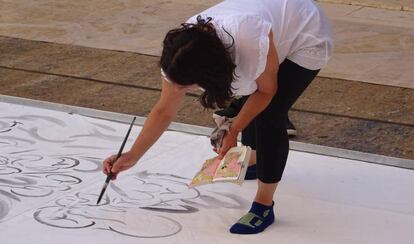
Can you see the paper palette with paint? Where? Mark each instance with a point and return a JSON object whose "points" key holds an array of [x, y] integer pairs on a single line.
{"points": [[232, 168]]}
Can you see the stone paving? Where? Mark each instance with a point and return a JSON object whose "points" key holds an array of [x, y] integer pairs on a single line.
{"points": [[399, 5], [373, 45]]}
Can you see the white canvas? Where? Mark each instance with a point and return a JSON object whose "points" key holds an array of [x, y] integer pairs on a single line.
{"points": [[50, 178]]}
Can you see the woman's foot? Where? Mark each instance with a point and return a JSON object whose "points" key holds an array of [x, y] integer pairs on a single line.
{"points": [[255, 221]]}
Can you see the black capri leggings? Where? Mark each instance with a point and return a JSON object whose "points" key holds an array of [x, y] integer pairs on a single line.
{"points": [[267, 132]]}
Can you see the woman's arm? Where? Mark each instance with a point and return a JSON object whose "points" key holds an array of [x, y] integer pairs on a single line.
{"points": [[157, 122], [257, 102], [159, 118]]}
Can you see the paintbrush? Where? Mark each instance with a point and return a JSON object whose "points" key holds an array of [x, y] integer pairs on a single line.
{"points": [[110, 174]]}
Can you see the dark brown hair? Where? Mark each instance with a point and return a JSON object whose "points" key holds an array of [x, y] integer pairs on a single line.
{"points": [[194, 54]]}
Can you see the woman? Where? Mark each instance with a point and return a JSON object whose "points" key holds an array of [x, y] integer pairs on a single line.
{"points": [[266, 52]]}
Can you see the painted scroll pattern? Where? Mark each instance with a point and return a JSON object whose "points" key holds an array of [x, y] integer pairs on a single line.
{"points": [[63, 182], [30, 174]]}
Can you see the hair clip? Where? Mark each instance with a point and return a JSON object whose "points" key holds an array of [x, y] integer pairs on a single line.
{"points": [[202, 21]]}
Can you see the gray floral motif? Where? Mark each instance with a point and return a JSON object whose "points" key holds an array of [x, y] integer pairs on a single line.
{"points": [[65, 184], [147, 198], [27, 176]]}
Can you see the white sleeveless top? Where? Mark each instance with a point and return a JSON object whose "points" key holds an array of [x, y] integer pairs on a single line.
{"points": [[301, 33]]}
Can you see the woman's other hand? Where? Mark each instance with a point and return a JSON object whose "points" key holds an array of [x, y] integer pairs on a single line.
{"points": [[229, 141]]}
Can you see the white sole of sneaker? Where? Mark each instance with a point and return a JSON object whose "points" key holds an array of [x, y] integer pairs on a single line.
{"points": [[291, 133]]}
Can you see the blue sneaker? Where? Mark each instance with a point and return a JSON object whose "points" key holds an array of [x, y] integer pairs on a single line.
{"points": [[251, 173], [290, 128], [256, 220]]}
